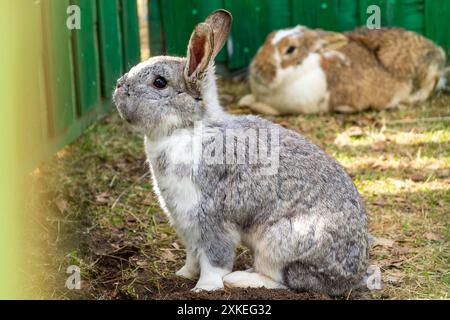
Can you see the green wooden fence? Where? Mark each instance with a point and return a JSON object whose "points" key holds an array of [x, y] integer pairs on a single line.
{"points": [[79, 68], [171, 21]]}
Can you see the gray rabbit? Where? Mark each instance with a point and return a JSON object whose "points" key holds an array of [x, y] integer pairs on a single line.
{"points": [[225, 180]]}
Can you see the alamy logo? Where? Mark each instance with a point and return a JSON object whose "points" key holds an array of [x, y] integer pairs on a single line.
{"points": [[74, 280], [374, 20], [74, 19], [215, 146]]}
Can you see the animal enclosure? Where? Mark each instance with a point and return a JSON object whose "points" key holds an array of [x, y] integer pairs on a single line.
{"points": [[172, 20], [77, 68], [91, 204]]}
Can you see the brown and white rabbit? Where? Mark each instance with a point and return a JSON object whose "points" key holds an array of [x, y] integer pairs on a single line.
{"points": [[300, 70]]}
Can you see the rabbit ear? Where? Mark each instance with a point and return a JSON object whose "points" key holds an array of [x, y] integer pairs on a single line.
{"points": [[332, 40], [200, 50], [220, 23], [207, 39]]}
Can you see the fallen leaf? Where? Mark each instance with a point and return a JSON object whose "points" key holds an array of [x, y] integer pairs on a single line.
{"points": [[102, 197], [142, 263], [433, 166], [167, 255], [378, 146], [342, 140], [163, 236], [379, 202], [377, 165], [176, 245], [397, 250], [383, 242], [432, 236], [62, 205], [418, 178], [148, 201], [443, 173], [130, 219], [392, 279], [354, 132]]}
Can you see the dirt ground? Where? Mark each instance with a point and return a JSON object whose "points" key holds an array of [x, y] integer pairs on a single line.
{"points": [[96, 210]]}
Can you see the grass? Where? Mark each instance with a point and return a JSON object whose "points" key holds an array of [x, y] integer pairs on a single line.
{"points": [[95, 207]]}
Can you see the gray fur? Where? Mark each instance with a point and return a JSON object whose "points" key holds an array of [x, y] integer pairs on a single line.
{"points": [[329, 256]]}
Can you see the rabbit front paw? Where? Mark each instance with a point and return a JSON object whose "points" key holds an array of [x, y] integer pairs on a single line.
{"points": [[187, 273], [209, 282], [211, 286]]}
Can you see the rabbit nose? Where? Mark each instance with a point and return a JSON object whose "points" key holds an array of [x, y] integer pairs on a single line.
{"points": [[120, 83], [124, 86]]}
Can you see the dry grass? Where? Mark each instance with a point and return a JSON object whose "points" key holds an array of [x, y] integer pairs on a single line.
{"points": [[97, 209]]}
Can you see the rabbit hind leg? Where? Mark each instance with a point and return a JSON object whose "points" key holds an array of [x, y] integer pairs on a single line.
{"points": [[345, 109], [244, 279], [265, 273], [250, 101], [427, 85], [263, 108]]}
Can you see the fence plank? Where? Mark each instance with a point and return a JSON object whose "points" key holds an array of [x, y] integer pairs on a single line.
{"points": [[338, 15], [130, 31], [110, 45], [87, 78], [304, 13], [65, 71], [30, 107], [156, 32], [347, 15], [327, 14], [179, 19], [436, 23], [59, 66], [253, 21], [178, 24], [411, 15]]}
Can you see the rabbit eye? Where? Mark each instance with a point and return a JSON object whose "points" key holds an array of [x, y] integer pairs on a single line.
{"points": [[290, 50], [160, 82]]}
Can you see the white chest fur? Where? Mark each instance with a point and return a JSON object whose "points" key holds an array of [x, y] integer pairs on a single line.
{"points": [[177, 192], [301, 88]]}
